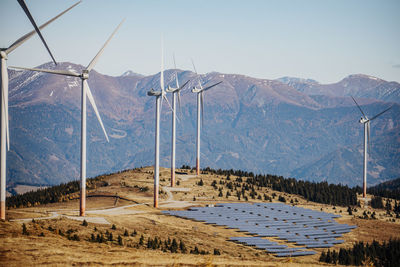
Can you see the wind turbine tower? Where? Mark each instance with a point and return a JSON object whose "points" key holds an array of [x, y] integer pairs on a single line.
{"points": [[175, 92], [5, 135], [366, 122], [86, 92], [200, 108], [160, 95]]}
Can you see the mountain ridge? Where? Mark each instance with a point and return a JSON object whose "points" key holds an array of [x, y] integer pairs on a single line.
{"points": [[268, 126]]}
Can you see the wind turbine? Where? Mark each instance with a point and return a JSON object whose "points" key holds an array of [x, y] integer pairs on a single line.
{"points": [[174, 91], [86, 92], [366, 121], [200, 107], [5, 135], [160, 95]]}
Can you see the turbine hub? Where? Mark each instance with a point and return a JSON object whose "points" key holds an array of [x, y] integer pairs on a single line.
{"points": [[3, 55], [196, 90], [171, 89], [85, 75]]}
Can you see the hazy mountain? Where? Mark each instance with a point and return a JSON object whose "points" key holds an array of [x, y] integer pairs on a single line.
{"points": [[343, 164], [261, 125], [357, 85], [131, 73]]}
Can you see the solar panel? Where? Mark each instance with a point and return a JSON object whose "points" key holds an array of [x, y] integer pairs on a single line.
{"points": [[302, 226], [327, 245], [295, 254]]}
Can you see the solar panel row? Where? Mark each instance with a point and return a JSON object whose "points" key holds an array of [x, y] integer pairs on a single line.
{"points": [[313, 229]]}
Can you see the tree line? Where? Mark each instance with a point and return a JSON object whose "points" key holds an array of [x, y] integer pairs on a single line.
{"points": [[385, 254], [321, 192], [58, 193], [389, 189]]}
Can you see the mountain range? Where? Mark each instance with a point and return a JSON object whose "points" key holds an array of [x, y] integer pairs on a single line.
{"points": [[288, 126]]}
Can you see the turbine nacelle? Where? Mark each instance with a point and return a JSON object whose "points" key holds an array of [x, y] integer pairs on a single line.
{"points": [[363, 120], [171, 89], [3, 54], [152, 92], [196, 90]]}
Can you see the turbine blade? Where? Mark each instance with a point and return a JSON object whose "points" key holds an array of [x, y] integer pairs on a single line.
{"points": [[176, 73], [162, 66], [176, 114], [179, 102], [377, 115], [4, 90], [28, 14], [162, 97], [59, 72], [202, 108], [211, 86], [180, 88], [194, 67], [91, 100], [27, 36], [166, 99], [179, 95], [96, 58], [365, 117], [369, 136]]}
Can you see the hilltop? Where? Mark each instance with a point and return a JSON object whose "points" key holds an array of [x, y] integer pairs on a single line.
{"points": [[124, 199]]}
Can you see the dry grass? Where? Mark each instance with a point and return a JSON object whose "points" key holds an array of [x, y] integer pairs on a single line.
{"points": [[17, 249]]}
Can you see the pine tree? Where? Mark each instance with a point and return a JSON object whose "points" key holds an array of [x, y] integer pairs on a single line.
{"points": [[349, 211], [322, 258], [182, 246], [24, 230], [174, 246]]}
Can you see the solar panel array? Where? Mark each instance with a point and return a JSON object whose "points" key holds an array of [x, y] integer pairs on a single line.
{"points": [[298, 227]]}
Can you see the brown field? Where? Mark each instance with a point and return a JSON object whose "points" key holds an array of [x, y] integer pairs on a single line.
{"points": [[46, 246]]}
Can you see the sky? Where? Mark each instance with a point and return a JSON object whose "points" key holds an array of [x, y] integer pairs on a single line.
{"points": [[322, 40]]}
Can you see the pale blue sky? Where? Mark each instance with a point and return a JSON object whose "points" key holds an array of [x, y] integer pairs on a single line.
{"points": [[323, 40]]}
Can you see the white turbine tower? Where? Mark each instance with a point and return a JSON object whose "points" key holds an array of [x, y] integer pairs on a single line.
{"points": [[86, 92], [5, 136], [174, 91], [200, 107], [366, 121], [160, 95]]}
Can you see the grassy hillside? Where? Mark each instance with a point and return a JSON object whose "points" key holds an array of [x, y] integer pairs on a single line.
{"points": [[142, 235]]}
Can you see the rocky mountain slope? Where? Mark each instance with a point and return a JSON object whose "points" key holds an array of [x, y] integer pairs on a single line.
{"points": [[268, 126]]}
